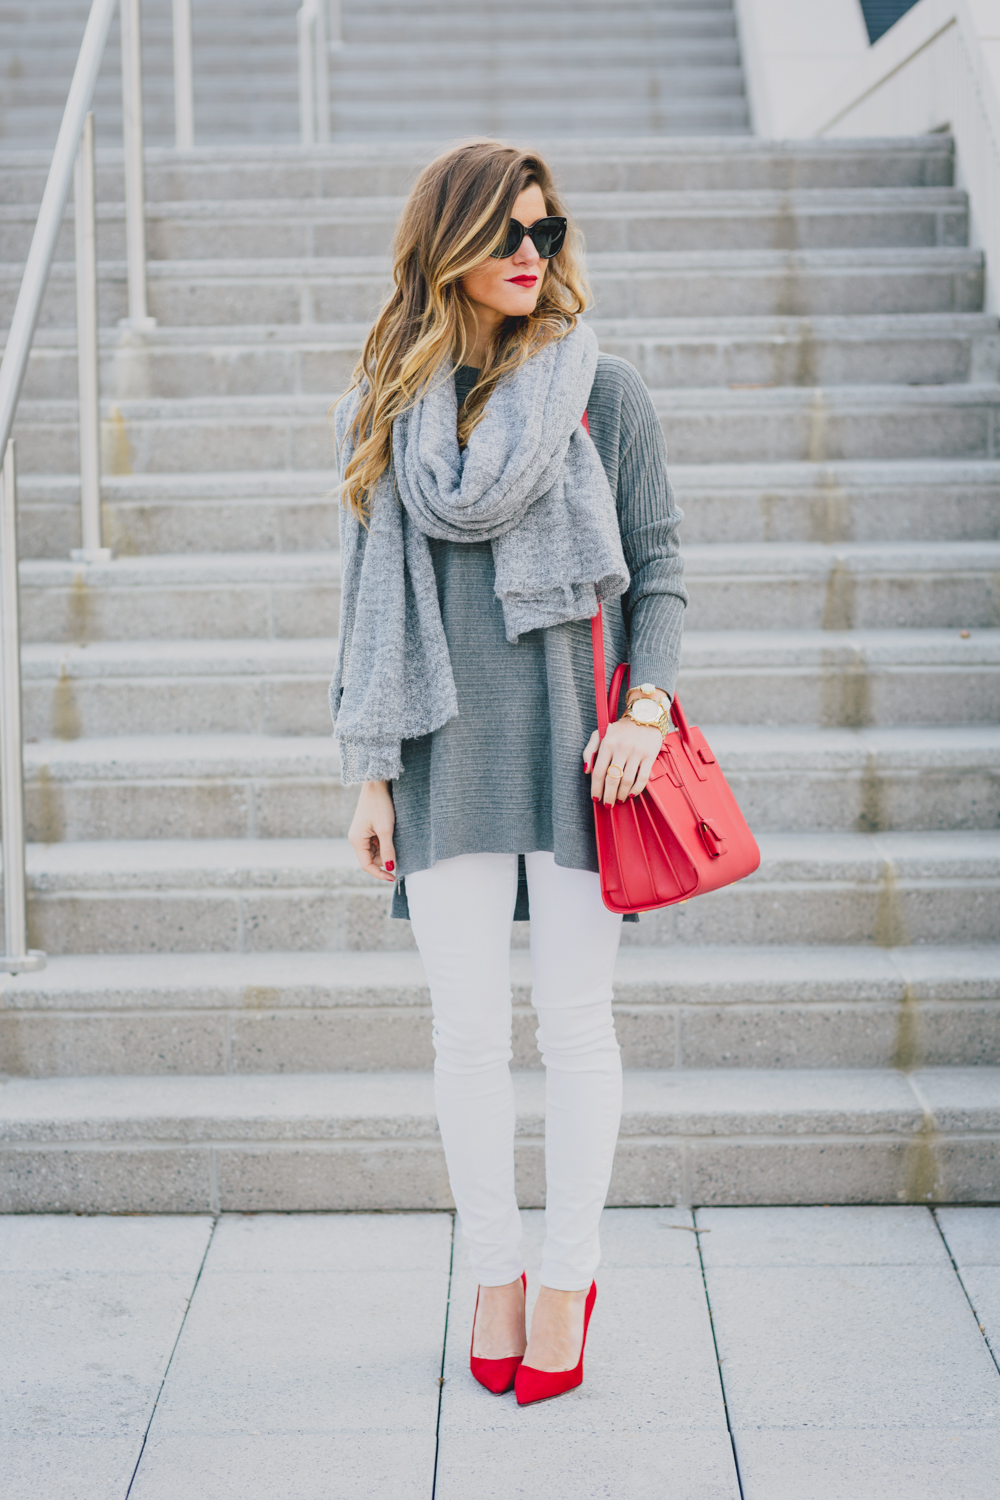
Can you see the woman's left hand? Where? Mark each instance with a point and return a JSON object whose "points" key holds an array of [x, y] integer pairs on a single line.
{"points": [[632, 749]]}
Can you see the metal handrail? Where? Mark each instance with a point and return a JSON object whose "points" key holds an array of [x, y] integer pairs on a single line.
{"points": [[17, 957], [73, 156], [43, 241]]}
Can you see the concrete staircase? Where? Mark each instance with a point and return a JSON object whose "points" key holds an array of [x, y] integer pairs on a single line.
{"points": [[407, 69], [228, 1017]]}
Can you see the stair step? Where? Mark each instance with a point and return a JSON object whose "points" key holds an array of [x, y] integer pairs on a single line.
{"points": [[586, 164], [771, 424], [276, 511], [546, 89], [641, 111], [612, 62], [646, 13], [244, 895], [908, 777], [349, 1141], [824, 677], [658, 284], [171, 687], [279, 511], [841, 678], [612, 222], [851, 586], [207, 596], [908, 349], [946, 499], [676, 46], [286, 359], [830, 423], [187, 786], [260, 786], [782, 586], [711, 1007]]}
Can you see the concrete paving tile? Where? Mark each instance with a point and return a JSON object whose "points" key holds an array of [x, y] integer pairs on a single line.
{"points": [[308, 1350], [648, 1238], [908, 1353], [332, 1367], [982, 1283], [973, 1235], [90, 1310], [851, 1363], [622, 1465], [85, 1350], [81, 1466], [973, 1238], [819, 1236], [293, 1465], [929, 1464], [332, 1242], [68, 1242]]}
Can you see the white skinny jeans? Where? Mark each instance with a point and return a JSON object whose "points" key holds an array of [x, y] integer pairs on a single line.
{"points": [[461, 910]]}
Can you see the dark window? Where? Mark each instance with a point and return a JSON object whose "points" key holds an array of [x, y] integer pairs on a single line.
{"points": [[881, 14]]}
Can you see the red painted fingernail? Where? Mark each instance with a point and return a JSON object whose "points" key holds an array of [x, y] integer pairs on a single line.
{"points": [[390, 864]]}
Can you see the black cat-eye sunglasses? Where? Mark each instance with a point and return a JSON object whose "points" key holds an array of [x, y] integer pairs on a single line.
{"points": [[547, 236]]}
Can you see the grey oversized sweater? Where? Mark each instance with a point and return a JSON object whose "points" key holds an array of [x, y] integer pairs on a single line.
{"points": [[506, 775]]}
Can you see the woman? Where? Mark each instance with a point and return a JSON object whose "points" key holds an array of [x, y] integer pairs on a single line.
{"points": [[481, 527]]}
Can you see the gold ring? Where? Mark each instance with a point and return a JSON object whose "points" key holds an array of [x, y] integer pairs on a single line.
{"points": [[616, 768]]}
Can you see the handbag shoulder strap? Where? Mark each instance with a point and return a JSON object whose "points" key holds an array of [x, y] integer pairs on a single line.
{"points": [[597, 644], [605, 698], [607, 703]]}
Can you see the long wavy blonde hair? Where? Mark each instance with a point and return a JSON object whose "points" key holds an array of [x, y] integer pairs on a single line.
{"points": [[456, 216]]}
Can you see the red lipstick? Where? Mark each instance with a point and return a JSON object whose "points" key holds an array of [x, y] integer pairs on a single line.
{"points": [[522, 280]]}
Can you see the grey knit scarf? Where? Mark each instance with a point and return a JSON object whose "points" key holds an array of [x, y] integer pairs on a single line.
{"points": [[530, 481]]}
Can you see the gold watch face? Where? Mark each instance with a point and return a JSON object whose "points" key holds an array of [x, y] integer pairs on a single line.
{"points": [[646, 711]]}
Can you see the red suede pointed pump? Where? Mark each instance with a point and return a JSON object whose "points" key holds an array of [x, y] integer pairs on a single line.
{"points": [[497, 1375], [541, 1385]]}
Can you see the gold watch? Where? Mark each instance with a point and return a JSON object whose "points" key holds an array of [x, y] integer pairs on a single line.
{"points": [[647, 712]]}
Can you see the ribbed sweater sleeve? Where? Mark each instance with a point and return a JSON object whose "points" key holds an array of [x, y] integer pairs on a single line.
{"points": [[627, 432]]}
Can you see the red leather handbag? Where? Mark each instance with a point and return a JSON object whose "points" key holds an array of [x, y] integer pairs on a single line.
{"points": [[684, 834]]}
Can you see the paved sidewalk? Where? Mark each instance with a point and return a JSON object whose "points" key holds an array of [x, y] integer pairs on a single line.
{"points": [[300, 1355]]}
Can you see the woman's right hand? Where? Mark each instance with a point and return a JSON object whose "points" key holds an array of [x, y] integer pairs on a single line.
{"points": [[370, 833]]}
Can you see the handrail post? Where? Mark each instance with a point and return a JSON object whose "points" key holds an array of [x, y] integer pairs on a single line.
{"points": [[135, 192], [88, 372], [322, 76], [307, 75], [314, 74], [336, 24], [17, 957], [183, 77]]}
